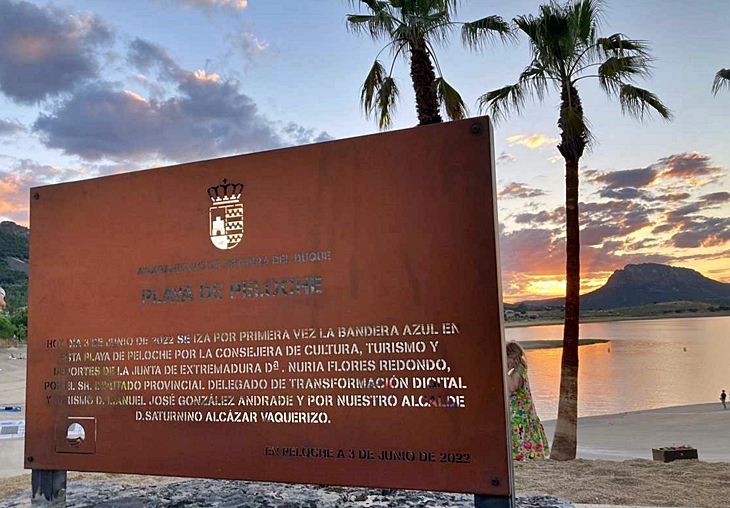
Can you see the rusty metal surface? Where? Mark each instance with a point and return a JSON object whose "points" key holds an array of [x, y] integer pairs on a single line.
{"points": [[132, 271]]}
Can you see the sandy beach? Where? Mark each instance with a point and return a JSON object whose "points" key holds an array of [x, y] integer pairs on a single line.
{"points": [[614, 453]]}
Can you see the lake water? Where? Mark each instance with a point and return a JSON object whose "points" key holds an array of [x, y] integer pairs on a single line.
{"points": [[646, 365]]}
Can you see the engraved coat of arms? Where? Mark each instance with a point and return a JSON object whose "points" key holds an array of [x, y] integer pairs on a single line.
{"points": [[226, 214]]}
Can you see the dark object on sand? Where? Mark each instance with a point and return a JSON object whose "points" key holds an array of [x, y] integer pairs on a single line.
{"points": [[672, 453]]}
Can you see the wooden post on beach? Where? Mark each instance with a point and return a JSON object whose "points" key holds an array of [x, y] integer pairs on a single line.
{"points": [[48, 487]]}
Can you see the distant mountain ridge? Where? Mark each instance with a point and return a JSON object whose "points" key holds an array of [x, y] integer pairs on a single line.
{"points": [[647, 284]]}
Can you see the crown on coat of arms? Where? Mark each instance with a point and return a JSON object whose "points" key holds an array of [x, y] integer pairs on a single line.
{"points": [[225, 192]]}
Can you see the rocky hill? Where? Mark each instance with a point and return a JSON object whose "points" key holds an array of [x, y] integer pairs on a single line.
{"points": [[647, 284]]}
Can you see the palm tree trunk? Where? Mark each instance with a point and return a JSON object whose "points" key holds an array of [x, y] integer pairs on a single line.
{"points": [[424, 79], [566, 431], [572, 144]]}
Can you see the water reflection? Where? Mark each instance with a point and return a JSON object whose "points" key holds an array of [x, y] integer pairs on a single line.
{"points": [[646, 364]]}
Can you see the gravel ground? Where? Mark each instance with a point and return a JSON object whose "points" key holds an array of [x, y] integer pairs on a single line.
{"points": [[126, 491], [684, 483]]}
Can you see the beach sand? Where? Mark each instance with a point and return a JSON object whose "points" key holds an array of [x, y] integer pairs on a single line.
{"points": [[614, 463], [632, 435]]}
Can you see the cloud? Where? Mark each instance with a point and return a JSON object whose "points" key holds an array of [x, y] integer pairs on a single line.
{"points": [[600, 221], [531, 142], [505, 158], [519, 190], [46, 51], [535, 252], [251, 45], [622, 193], [555, 159], [625, 178], [556, 216], [672, 198], [17, 178], [207, 117], [701, 232], [692, 167], [212, 4], [302, 136], [642, 214], [683, 211], [715, 198], [9, 127], [147, 56]]}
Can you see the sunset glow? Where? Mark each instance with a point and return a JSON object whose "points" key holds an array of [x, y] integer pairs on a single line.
{"points": [[90, 89]]}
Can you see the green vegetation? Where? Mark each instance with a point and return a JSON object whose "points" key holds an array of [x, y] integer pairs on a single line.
{"points": [[525, 315], [14, 279]]}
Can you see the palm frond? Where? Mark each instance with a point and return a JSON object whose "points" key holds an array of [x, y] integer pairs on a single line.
{"points": [[529, 25], [534, 79], [498, 103], [478, 34], [373, 5], [549, 37], [641, 103], [586, 17], [619, 45], [452, 105], [435, 26], [722, 79], [386, 100], [373, 83], [615, 70], [378, 26]]}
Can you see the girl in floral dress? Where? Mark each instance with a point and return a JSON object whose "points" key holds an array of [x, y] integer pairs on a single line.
{"points": [[528, 436]]}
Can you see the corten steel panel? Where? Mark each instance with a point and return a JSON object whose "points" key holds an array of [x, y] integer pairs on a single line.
{"points": [[407, 220]]}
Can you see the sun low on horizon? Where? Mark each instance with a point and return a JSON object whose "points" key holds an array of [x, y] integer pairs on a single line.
{"points": [[91, 88]]}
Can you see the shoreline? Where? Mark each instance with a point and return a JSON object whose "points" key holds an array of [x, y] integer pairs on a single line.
{"points": [[608, 319], [633, 434]]}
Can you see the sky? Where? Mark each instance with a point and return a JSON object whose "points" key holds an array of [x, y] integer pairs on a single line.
{"points": [[90, 88]]}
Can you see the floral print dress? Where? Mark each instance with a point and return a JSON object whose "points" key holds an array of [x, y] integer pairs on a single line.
{"points": [[528, 435]]}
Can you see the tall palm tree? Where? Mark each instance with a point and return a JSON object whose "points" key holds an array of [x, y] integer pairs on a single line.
{"points": [[411, 28], [722, 79], [566, 50]]}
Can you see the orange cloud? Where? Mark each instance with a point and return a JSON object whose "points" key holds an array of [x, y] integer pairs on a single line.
{"points": [[693, 169], [532, 142], [201, 75], [28, 48]]}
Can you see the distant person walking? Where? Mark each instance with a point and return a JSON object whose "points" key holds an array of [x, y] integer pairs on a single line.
{"points": [[723, 398], [2, 299], [528, 435]]}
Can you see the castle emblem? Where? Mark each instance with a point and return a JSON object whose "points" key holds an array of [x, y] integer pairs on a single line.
{"points": [[226, 215]]}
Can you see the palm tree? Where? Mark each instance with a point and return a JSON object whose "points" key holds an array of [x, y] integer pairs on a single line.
{"points": [[566, 49], [411, 28], [722, 78]]}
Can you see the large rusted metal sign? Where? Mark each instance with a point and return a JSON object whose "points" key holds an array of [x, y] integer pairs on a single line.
{"points": [[322, 314]]}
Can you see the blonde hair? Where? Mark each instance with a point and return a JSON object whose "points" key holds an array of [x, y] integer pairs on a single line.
{"points": [[515, 355]]}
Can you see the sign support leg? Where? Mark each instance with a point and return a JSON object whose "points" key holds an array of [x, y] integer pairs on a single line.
{"points": [[481, 501], [48, 487]]}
